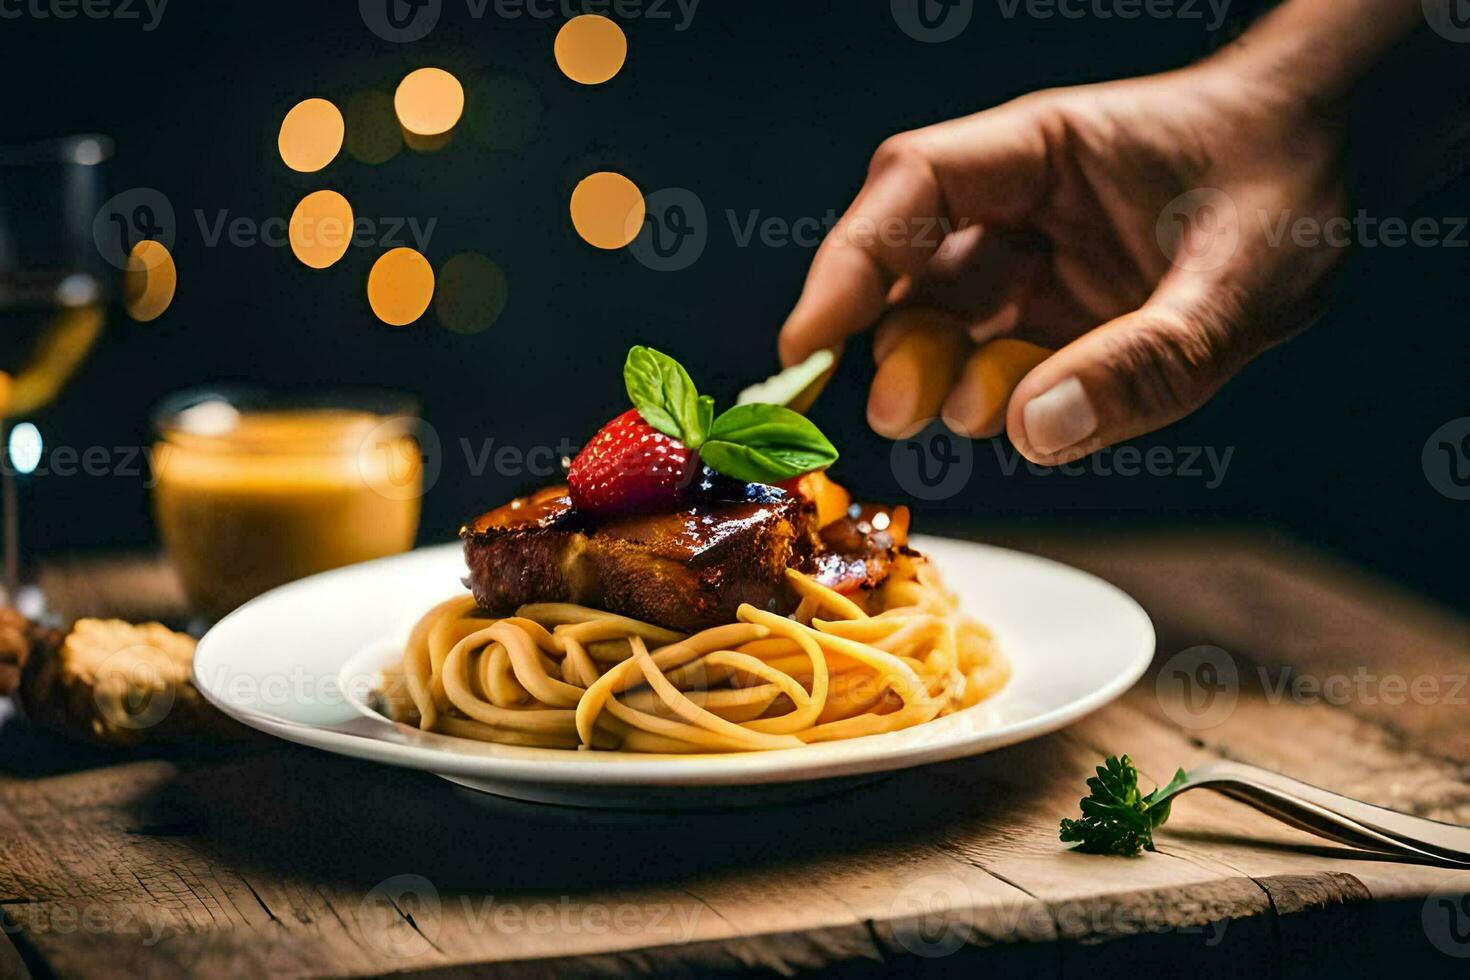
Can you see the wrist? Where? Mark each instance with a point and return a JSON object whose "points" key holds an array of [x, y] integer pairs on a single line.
{"points": [[1311, 53]]}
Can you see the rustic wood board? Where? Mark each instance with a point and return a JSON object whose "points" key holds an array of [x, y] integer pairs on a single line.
{"points": [[279, 860]]}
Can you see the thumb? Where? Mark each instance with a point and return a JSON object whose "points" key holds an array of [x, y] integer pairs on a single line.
{"points": [[1127, 377]]}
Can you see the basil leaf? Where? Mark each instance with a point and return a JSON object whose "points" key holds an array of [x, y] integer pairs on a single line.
{"points": [[706, 416], [664, 395], [765, 444]]}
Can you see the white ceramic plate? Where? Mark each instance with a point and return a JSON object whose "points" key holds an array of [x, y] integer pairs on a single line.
{"points": [[299, 661]]}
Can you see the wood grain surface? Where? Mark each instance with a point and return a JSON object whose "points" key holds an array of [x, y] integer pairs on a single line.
{"points": [[267, 859]]}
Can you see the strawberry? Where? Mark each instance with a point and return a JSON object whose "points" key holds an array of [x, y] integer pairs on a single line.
{"points": [[631, 467]]}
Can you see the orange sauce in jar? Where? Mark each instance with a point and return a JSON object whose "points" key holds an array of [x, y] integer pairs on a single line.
{"points": [[247, 499]]}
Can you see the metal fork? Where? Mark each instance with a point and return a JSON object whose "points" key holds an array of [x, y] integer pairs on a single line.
{"points": [[1335, 817]]}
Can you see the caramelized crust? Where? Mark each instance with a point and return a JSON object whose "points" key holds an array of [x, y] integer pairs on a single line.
{"points": [[686, 570]]}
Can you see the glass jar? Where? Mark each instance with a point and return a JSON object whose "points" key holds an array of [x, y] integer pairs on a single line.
{"points": [[253, 489]]}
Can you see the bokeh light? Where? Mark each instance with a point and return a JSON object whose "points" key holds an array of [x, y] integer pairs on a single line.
{"points": [[400, 286], [321, 229], [373, 133], [607, 210], [429, 101], [427, 144], [591, 49], [311, 135], [7, 393], [471, 293], [25, 448], [149, 282]]}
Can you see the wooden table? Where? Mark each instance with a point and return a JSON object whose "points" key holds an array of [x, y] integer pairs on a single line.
{"points": [[273, 859]]}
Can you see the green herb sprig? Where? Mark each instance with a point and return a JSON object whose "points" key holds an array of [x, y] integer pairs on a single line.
{"points": [[755, 443], [1116, 817]]}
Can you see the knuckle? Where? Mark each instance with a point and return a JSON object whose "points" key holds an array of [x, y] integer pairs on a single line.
{"points": [[1166, 368], [900, 151]]}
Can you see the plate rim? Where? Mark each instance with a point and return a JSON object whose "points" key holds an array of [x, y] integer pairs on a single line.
{"points": [[440, 754]]}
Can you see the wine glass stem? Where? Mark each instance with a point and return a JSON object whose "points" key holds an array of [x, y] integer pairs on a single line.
{"points": [[11, 518]]}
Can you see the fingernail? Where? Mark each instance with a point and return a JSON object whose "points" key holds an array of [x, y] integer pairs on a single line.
{"points": [[1060, 417], [968, 411]]}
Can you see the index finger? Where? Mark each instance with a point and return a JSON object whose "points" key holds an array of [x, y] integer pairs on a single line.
{"points": [[866, 252], [922, 185]]}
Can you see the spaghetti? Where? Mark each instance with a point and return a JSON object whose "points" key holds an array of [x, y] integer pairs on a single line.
{"points": [[558, 675]]}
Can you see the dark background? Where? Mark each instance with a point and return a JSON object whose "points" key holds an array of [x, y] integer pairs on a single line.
{"points": [[769, 107]]}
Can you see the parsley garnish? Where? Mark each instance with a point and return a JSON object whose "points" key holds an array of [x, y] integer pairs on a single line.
{"points": [[1116, 817]]}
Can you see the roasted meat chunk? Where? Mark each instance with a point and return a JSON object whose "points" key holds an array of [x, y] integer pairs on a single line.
{"points": [[684, 570]]}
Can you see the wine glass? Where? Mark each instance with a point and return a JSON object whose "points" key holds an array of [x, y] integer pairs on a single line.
{"points": [[54, 287]]}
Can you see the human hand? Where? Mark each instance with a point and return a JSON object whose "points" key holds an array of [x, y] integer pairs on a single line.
{"points": [[1135, 225]]}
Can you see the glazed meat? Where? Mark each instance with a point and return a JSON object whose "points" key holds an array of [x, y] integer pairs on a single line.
{"points": [[685, 570], [856, 551]]}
